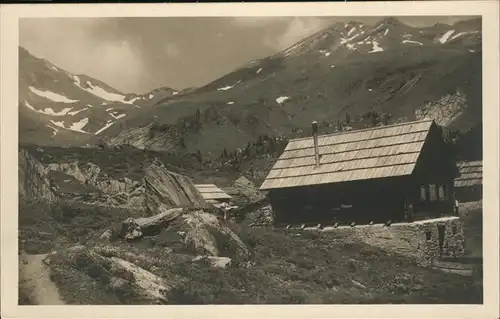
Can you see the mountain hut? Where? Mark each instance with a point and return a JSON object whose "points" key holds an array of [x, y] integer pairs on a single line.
{"points": [[398, 172]]}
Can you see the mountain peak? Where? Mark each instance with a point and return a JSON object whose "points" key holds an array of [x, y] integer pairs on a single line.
{"points": [[391, 21]]}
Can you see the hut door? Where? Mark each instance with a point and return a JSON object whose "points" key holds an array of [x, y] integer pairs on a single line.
{"points": [[440, 237]]}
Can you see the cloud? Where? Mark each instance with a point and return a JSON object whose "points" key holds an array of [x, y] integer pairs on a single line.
{"points": [[79, 46], [297, 29], [253, 22], [172, 50]]}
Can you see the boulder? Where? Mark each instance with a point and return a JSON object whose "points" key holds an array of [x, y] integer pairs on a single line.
{"points": [[217, 262], [136, 228], [106, 236], [207, 235], [248, 189], [119, 275], [167, 189]]}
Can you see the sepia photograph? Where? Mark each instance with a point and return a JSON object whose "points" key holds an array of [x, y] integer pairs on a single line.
{"points": [[251, 160]]}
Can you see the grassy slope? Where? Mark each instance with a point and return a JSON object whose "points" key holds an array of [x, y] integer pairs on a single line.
{"points": [[45, 227], [380, 82], [288, 267], [299, 269]]}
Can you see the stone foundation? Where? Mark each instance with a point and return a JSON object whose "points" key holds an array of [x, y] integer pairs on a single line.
{"points": [[418, 240]]}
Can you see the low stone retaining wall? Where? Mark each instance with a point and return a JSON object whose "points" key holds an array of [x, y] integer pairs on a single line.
{"points": [[425, 241]]}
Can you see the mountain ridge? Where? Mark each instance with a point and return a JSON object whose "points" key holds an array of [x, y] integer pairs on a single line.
{"points": [[387, 69], [58, 107], [348, 75]]}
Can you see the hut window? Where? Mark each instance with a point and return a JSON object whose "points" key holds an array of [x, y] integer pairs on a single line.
{"points": [[428, 235], [423, 193], [432, 192], [446, 191], [441, 192]]}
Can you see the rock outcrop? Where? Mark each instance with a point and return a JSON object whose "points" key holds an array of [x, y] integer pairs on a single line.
{"points": [[208, 236], [158, 187], [118, 275], [34, 183], [200, 232], [444, 110], [89, 173], [248, 189], [167, 189]]}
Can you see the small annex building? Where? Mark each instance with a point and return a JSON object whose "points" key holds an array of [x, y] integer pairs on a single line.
{"points": [[212, 193], [399, 172], [469, 185]]}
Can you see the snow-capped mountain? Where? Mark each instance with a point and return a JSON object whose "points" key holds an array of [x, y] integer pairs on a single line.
{"points": [[58, 106], [348, 70]]}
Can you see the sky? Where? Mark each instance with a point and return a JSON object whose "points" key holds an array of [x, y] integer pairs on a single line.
{"points": [[137, 55]]}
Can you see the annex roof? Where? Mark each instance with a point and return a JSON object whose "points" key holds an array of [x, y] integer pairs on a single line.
{"points": [[471, 173], [211, 192]]}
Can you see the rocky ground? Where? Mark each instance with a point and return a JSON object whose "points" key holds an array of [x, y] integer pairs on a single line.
{"points": [[192, 257]]}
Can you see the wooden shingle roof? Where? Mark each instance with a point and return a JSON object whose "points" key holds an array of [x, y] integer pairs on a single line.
{"points": [[211, 192], [471, 173], [378, 152]]}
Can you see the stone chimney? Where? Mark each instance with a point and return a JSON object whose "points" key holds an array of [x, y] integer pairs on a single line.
{"points": [[315, 138]]}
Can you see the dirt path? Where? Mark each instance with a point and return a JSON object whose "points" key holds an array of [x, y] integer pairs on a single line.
{"points": [[35, 277]]}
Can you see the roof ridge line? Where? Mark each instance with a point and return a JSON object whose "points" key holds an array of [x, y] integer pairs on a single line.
{"points": [[362, 130]]}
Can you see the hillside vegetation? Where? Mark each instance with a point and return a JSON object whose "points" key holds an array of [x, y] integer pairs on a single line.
{"points": [[285, 266]]}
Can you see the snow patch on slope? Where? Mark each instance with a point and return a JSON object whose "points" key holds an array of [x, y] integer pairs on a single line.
{"points": [[444, 38], [105, 127], [55, 97], [225, 88], [117, 117], [376, 47], [77, 126], [325, 53], [101, 93], [378, 27], [412, 42], [282, 99], [48, 110], [77, 111], [461, 34], [59, 124], [55, 130]]}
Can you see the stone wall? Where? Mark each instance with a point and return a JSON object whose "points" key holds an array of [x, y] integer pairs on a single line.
{"points": [[418, 240], [453, 243]]}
